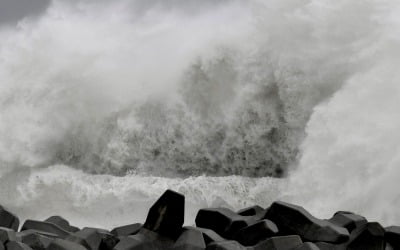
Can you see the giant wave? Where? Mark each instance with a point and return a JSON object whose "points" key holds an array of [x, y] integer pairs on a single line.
{"points": [[105, 104]]}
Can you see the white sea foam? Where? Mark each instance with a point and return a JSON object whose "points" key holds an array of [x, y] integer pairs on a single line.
{"points": [[108, 201]]}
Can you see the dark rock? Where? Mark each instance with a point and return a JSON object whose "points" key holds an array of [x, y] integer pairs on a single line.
{"points": [[330, 246], [144, 240], [256, 213], [35, 240], [14, 245], [279, 243], [223, 221], [7, 234], [62, 223], [307, 246], [282, 226], [108, 241], [371, 231], [190, 239], [166, 216], [90, 238], [392, 235], [348, 220], [7, 219], [129, 243], [158, 241], [256, 232], [59, 221], [251, 211], [60, 244], [94, 238], [225, 245], [292, 219], [73, 229], [127, 229], [21, 234], [208, 235], [369, 237], [45, 227]]}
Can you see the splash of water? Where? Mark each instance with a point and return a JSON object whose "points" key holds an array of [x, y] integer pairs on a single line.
{"points": [[163, 89], [350, 156], [190, 90]]}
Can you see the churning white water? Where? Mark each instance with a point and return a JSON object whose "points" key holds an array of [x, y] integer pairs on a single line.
{"points": [[105, 104]]}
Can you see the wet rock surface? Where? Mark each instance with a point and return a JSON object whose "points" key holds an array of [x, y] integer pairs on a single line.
{"points": [[282, 226], [293, 219]]}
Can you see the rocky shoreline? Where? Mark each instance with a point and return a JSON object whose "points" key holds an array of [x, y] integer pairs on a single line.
{"points": [[282, 226]]}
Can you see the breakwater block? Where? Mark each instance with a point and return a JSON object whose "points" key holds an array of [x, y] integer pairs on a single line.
{"points": [[282, 226], [166, 216], [7, 219]]}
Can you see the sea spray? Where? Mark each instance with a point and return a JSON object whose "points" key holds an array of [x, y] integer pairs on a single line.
{"points": [[164, 91], [91, 91]]}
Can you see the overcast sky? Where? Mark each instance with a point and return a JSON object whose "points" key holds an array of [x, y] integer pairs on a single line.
{"points": [[13, 10]]}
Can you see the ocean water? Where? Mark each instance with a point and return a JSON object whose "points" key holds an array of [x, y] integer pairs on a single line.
{"points": [[104, 105]]}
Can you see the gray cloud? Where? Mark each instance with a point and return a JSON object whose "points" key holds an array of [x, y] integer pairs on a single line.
{"points": [[12, 11]]}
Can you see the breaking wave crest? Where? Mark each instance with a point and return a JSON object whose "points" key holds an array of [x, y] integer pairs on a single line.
{"points": [[166, 89]]}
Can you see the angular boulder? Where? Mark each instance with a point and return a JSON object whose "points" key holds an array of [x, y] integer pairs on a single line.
{"points": [[8, 220], [126, 230], [130, 243], [256, 213], [14, 245], [292, 219], [108, 241], [288, 242], [45, 227], [256, 232], [348, 220], [330, 246], [94, 239], [60, 244], [357, 236], [90, 238], [369, 237], [392, 235], [155, 239], [190, 239], [251, 211], [166, 216], [208, 235], [59, 221], [7, 234], [62, 223], [73, 229], [35, 240], [307, 246], [21, 234], [223, 221], [144, 240], [225, 245]]}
